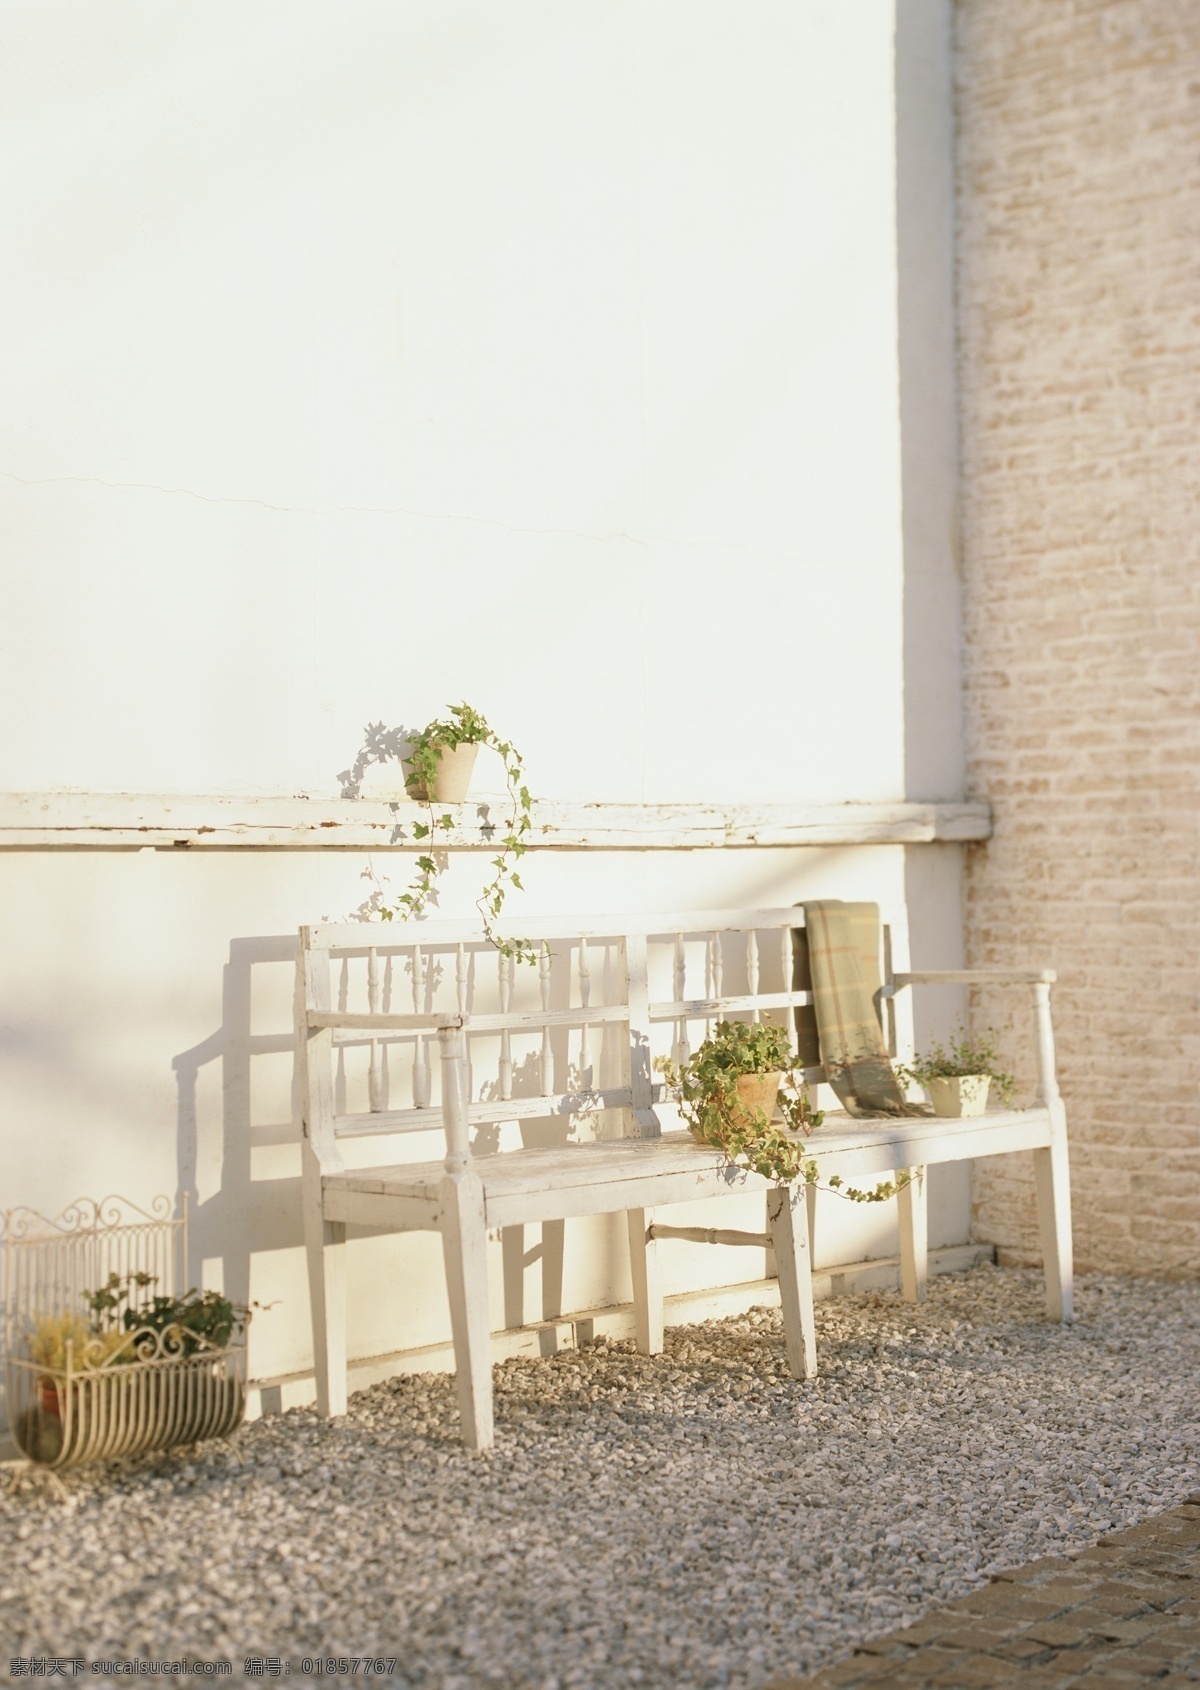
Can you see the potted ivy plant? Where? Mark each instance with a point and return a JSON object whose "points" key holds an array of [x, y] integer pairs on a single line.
{"points": [[729, 1091], [960, 1079], [440, 760], [441, 756]]}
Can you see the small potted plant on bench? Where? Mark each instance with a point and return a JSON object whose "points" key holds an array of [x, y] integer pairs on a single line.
{"points": [[729, 1091], [960, 1079]]}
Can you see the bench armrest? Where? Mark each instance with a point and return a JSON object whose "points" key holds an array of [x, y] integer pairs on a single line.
{"points": [[1040, 979], [978, 977]]}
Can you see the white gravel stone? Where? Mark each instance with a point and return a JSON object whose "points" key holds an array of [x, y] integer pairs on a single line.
{"points": [[694, 1520]]}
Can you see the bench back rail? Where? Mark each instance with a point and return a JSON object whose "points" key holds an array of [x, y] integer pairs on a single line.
{"points": [[570, 1043]]}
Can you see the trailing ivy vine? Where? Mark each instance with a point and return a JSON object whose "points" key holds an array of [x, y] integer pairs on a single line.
{"points": [[464, 725], [706, 1088]]}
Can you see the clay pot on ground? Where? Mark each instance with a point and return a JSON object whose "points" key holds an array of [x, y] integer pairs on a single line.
{"points": [[38, 1435]]}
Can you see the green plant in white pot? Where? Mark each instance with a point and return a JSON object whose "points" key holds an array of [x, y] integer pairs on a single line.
{"points": [[440, 760], [441, 756], [961, 1079]]}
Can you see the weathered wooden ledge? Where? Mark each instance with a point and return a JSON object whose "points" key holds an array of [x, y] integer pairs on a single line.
{"points": [[36, 821]]}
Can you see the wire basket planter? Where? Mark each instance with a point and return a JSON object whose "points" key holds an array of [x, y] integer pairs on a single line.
{"points": [[113, 1387]]}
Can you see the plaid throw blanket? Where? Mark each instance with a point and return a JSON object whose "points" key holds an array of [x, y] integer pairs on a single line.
{"points": [[843, 957]]}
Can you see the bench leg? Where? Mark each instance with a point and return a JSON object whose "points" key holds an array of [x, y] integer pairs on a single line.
{"points": [[553, 1248], [512, 1249], [788, 1214], [554, 1241], [325, 1247], [464, 1246], [1052, 1176], [913, 1208], [327, 1295], [646, 1273], [770, 1271]]}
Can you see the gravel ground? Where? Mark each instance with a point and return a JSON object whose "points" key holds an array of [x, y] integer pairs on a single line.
{"points": [[692, 1520]]}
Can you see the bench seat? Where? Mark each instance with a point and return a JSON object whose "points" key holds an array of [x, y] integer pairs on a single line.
{"points": [[557, 1182]]}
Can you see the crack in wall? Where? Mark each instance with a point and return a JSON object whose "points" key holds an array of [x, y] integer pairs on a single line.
{"points": [[312, 510]]}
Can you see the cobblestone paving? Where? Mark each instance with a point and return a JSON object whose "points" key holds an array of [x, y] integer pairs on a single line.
{"points": [[1123, 1613]]}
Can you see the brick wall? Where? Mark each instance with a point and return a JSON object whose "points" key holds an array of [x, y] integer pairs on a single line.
{"points": [[1078, 159]]}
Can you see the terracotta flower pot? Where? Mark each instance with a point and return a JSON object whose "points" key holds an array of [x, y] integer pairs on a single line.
{"points": [[967, 1094], [453, 777], [39, 1435], [48, 1398], [755, 1091]]}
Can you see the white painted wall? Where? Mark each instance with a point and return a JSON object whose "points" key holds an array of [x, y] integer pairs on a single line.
{"points": [[373, 355], [366, 357]]}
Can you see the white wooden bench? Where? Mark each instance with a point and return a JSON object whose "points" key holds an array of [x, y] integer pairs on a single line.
{"points": [[570, 1044]]}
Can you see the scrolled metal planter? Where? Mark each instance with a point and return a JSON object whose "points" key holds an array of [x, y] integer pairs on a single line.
{"points": [[167, 1387], [61, 1417]]}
